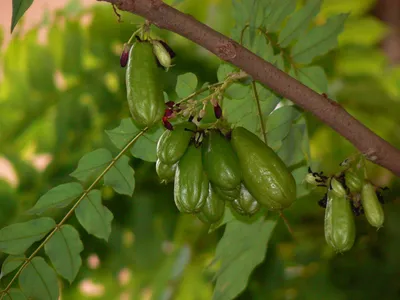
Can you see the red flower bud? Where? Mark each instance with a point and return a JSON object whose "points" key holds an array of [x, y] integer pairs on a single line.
{"points": [[170, 104], [167, 124], [217, 111], [168, 112], [123, 60]]}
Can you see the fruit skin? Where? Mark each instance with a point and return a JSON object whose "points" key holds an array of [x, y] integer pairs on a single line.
{"points": [[173, 143], [265, 175], [338, 188], [165, 172], [163, 56], [227, 194], [191, 183], [214, 208], [144, 89], [372, 208], [339, 227], [220, 161], [353, 182], [246, 204]]}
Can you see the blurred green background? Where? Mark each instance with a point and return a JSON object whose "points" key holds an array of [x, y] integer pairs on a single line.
{"points": [[61, 86]]}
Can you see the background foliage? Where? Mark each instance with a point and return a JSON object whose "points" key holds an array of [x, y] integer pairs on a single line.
{"points": [[62, 93]]}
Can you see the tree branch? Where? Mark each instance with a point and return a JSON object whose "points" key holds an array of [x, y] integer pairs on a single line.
{"points": [[331, 113]]}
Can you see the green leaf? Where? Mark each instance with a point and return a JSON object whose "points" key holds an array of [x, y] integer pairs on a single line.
{"points": [[144, 148], [291, 151], [228, 217], [299, 22], [39, 281], [314, 77], [121, 177], [92, 164], [237, 91], [16, 238], [11, 263], [15, 294], [318, 40], [280, 9], [242, 247], [279, 123], [19, 7], [186, 84], [57, 197], [64, 250], [224, 70], [93, 216]]}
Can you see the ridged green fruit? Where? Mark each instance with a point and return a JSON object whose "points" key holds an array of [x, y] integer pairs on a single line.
{"points": [[214, 208], [165, 172], [246, 204], [227, 194], [173, 143], [144, 88], [339, 226], [372, 208], [265, 175], [220, 161], [338, 188], [191, 182], [353, 182]]}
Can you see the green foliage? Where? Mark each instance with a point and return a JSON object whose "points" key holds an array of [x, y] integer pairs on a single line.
{"points": [[63, 250], [38, 280], [19, 7], [121, 177], [15, 294], [92, 164], [16, 238], [186, 84], [11, 263]]}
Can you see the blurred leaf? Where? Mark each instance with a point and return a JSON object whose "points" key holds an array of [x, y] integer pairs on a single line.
{"points": [[93, 216], [356, 8], [16, 238], [19, 7], [314, 77], [318, 40], [121, 177], [279, 123], [74, 42], [15, 294], [291, 150], [64, 250], [92, 164], [39, 281], [299, 22], [279, 11], [228, 217], [40, 78], [144, 148], [57, 197], [241, 249], [11, 263], [237, 91], [186, 84], [224, 70], [366, 31]]}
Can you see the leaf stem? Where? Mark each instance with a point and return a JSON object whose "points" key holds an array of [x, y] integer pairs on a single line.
{"points": [[255, 92], [71, 211]]}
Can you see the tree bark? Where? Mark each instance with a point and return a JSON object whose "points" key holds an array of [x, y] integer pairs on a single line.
{"points": [[328, 111]]}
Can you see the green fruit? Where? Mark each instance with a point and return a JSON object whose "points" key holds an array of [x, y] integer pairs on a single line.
{"points": [[372, 208], [165, 172], [144, 89], [173, 143], [353, 182], [338, 188], [265, 175], [214, 208], [191, 183], [220, 161], [227, 194], [339, 228], [246, 204]]}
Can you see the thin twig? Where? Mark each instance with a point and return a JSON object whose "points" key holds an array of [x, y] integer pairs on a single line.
{"points": [[71, 211], [255, 93], [117, 13]]}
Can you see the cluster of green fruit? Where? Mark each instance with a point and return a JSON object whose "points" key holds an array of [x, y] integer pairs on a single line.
{"points": [[210, 169], [348, 195]]}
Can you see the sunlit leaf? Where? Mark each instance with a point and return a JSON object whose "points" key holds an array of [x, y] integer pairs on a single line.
{"points": [[57, 197], [318, 40], [144, 148], [15, 294], [92, 164], [39, 281], [16, 238], [121, 177], [19, 7], [314, 77], [365, 31], [186, 84], [94, 216], [279, 10], [298, 22], [242, 247], [11, 263], [64, 250]]}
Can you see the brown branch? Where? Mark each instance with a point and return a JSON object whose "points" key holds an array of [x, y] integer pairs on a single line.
{"points": [[331, 113]]}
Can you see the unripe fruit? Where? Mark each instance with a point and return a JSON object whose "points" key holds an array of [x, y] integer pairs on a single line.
{"points": [[372, 208]]}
